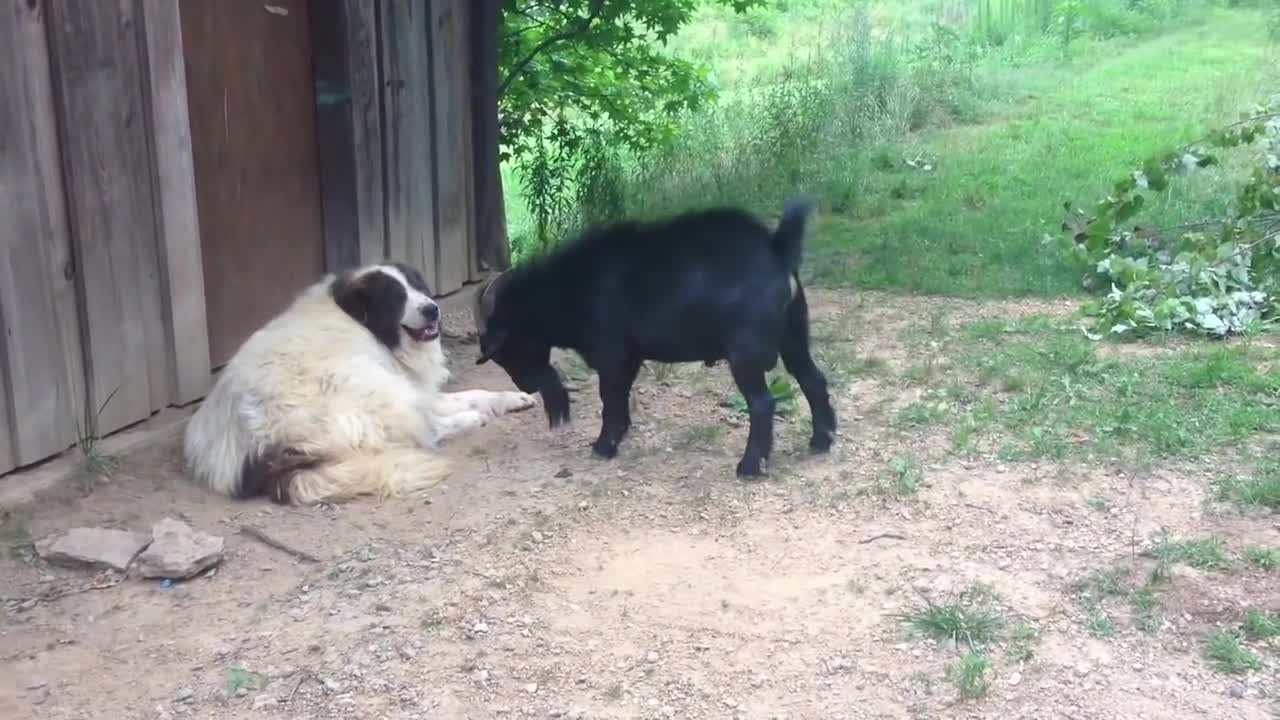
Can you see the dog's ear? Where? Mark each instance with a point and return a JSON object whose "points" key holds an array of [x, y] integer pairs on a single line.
{"points": [[352, 295], [491, 347]]}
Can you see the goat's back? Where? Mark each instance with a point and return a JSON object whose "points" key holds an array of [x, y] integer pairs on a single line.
{"points": [[680, 289]]}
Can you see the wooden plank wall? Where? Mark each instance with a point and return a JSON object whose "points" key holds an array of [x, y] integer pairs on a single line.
{"points": [[408, 130], [101, 286], [407, 135], [364, 73], [451, 110], [104, 130], [186, 329], [101, 278], [41, 389]]}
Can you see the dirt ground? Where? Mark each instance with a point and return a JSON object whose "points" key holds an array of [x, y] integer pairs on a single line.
{"points": [[540, 582]]}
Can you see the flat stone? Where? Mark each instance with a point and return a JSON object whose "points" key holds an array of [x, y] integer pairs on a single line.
{"points": [[93, 547], [177, 552]]}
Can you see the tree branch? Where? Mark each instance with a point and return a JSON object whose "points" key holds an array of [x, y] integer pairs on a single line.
{"points": [[596, 7]]}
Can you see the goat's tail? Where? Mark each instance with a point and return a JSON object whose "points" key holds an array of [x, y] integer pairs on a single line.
{"points": [[788, 239]]}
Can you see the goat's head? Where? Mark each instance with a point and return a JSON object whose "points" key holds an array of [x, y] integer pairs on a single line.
{"points": [[515, 347]]}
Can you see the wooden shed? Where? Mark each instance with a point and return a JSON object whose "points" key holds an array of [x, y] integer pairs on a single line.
{"points": [[173, 171]]}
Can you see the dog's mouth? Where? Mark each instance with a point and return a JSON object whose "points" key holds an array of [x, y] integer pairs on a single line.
{"points": [[426, 333]]}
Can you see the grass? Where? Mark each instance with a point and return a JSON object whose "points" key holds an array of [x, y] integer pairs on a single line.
{"points": [[973, 226], [1146, 610], [969, 674], [1262, 489], [1036, 388], [15, 537], [969, 620], [240, 679], [1260, 626], [1204, 553], [785, 396], [1262, 558], [1098, 589], [902, 478], [1022, 639], [1225, 653]]}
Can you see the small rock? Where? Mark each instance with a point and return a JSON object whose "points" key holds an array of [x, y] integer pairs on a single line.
{"points": [[1083, 669], [537, 536], [93, 547], [263, 701], [480, 628], [1015, 679], [652, 657], [531, 688], [184, 695], [564, 473], [1237, 692], [178, 552]]}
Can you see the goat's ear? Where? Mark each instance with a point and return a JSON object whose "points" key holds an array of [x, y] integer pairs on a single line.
{"points": [[494, 345], [483, 300]]}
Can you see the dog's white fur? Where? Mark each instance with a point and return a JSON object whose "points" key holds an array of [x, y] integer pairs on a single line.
{"points": [[315, 380]]}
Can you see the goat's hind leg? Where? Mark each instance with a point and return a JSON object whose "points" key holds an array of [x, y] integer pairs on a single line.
{"points": [[749, 375], [798, 360]]}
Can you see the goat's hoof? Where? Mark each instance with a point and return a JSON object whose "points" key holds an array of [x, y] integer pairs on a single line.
{"points": [[750, 469], [604, 450], [821, 442]]}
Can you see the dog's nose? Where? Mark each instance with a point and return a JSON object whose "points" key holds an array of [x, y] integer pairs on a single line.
{"points": [[431, 311]]}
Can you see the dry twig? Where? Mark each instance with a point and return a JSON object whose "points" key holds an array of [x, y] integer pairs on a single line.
{"points": [[262, 537]]}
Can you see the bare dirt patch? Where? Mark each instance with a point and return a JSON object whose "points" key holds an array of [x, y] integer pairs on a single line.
{"points": [[540, 582]]}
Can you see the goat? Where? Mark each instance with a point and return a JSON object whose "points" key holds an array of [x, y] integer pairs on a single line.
{"points": [[703, 286]]}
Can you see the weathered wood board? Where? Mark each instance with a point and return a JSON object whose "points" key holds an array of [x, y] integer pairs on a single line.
{"points": [[41, 393], [451, 109], [407, 134], [104, 133], [186, 330]]}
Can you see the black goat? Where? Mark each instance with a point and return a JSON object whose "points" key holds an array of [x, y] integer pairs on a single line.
{"points": [[702, 286]]}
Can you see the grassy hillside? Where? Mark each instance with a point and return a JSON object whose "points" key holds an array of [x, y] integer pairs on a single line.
{"points": [[943, 135]]}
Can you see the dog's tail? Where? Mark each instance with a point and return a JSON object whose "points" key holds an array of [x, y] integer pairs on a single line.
{"points": [[788, 239], [289, 476]]}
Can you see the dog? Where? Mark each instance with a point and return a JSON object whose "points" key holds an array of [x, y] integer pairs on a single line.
{"points": [[338, 396]]}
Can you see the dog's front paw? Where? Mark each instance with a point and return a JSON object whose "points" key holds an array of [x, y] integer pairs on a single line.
{"points": [[471, 419], [518, 401]]}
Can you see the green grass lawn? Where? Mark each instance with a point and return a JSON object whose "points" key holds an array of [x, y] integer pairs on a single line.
{"points": [[1039, 389], [974, 225]]}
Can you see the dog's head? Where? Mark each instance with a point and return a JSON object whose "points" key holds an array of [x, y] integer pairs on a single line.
{"points": [[515, 347], [392, 301]]}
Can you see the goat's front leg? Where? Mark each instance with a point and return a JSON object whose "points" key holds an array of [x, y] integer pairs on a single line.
{"points": [[750, 378], [616, 380]]}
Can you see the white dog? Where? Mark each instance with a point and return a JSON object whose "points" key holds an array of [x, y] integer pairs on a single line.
{"points": [[338, 396]]}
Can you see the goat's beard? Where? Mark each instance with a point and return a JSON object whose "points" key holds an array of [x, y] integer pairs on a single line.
{"points": [[555, 398]]}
